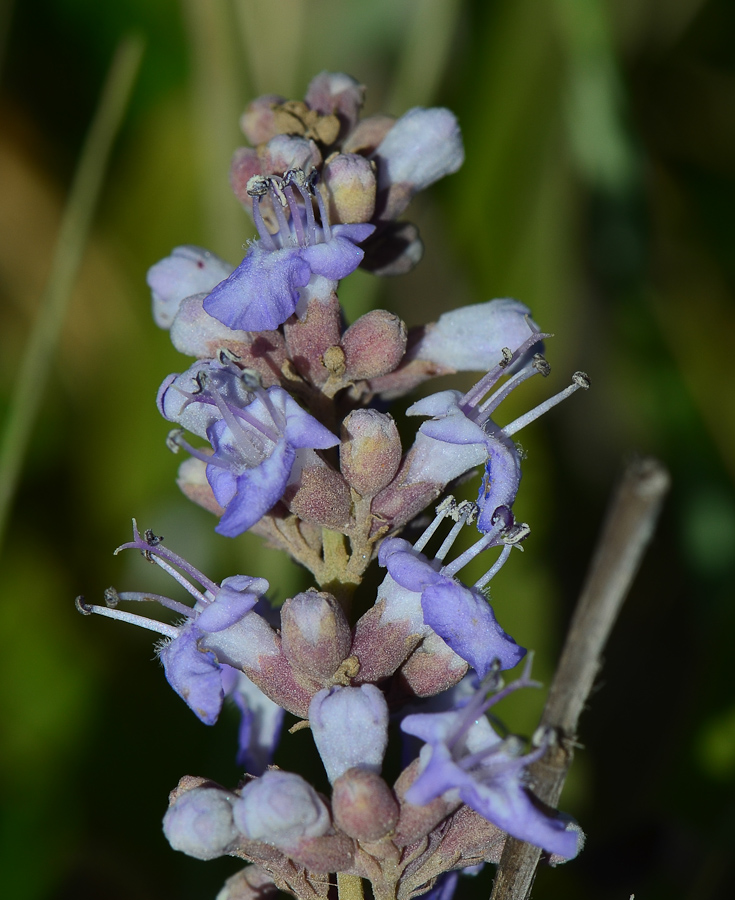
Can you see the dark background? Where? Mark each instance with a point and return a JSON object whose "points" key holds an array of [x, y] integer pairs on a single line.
{"points": [[598, 189]]}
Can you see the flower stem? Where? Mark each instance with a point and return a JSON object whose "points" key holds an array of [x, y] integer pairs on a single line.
{"points": [[349, 887], [40, 350], [628, 529]]}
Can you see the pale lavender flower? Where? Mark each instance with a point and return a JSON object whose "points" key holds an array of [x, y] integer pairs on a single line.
{"points": [[264, 290], [187, 271], [200, 822], [463, 755], [256, 435], [188, 651], [462, 435], [461, 616]]}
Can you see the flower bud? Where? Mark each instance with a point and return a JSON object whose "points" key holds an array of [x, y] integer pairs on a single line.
{"points": [[334, 93], [315, 634], [367, 134], [282, 809], [348, 183], [287, 151], [433, 667], [322, 497], [350, 728], [258, 120], [308, 338], [250, 883], [472, 338], [245, 163], [374, 345], [200, 822], [188, 270], [423, 146], [363, 805], [370, 452]]}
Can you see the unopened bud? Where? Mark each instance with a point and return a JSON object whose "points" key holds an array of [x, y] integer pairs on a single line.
{"points": [[258, 120], [282, 809], [200, 822], [288, 151], [370, 452], [315, 634], [251, 883], [374, 345], [338, 94], [367, 134], [323, 497], [244, 166], [363, 805], [350, 728], [348, 184]]}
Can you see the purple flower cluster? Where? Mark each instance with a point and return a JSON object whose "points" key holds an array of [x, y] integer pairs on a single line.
{"points": [[290, 404]]}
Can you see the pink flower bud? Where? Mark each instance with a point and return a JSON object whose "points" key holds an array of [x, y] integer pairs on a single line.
{"points": [[258, 120], [336, 93], [315, 634], [287, 151], [309, 338], [374, 345], [323, 497], [370, 452], [250, 883], [244, 165], [432, 668], [363, 805], [367, 134], [348, 182]]}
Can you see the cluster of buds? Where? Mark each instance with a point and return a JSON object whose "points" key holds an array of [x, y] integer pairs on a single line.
{"points": [[291, 404]]}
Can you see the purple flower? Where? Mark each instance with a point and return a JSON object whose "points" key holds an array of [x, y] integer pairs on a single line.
{"points": [[192, 649], [264, 290], [462, 435], [461, 616], [464, 755], [257, 436]]}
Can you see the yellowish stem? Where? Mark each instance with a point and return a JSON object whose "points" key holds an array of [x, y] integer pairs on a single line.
{"points": [[349, 887]]}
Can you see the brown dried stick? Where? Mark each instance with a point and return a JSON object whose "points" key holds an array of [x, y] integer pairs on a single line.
{"points": [[628, 529]]}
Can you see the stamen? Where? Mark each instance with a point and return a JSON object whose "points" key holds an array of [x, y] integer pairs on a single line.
{"points": [[175, 441], [537, 366], [257, 188], [323, 215], [279, 202], [461, 561], [465, 509], [169, 631], [444, 509], [295, 216], [306, 187], [171, 557], [113, 597], [476, 393], [493, 571], [579, 380]]}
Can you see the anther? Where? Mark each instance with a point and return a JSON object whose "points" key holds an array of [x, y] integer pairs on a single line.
{"points": [[173, 439], [152, 539], [84, 608], [507, 357], [225, 357], [112, 598], [582, 379], [541, 365], [295, 176], [257, 186], [516, 533], [275, 182]]}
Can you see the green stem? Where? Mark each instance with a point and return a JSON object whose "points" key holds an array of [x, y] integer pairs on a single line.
{"points": [[75, 226]]}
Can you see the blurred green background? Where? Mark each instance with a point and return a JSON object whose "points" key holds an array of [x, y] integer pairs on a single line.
{"points": [[598, 189]]}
